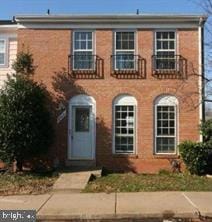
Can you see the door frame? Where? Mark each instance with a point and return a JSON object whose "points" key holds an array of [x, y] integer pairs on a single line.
{"points": [[82, 100]]}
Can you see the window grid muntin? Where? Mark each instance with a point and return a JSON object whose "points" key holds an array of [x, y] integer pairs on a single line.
{"points": [[87, 52], [125, 52], [124, 110], [166, 136], [167, 62], [3, 52]]}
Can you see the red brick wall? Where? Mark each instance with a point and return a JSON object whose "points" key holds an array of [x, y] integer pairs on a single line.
{"points": [[50, 49]]}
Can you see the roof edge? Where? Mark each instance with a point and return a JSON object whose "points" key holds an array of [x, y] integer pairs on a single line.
{"points": [[96, 17]]}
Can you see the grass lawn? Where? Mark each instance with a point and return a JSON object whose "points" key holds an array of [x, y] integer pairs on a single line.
{"points": [[26, 183], [146, 182]]}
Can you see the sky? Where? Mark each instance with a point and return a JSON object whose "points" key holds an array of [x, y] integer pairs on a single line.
{"points": [[10, 8]]}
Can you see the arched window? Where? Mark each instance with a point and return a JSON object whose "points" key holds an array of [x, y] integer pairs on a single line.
{"points": [[166, 107], [124, 124]]}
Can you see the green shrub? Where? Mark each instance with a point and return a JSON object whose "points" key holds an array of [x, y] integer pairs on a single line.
{"points": [[24, 64], [194, 156], [26, 129], [206, 130]]}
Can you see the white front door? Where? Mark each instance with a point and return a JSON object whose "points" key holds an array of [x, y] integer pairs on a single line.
{"points": [[82, 129]]}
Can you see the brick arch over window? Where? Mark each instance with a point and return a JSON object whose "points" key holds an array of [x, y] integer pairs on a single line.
{"points": [[124, 124], [166, 124]]}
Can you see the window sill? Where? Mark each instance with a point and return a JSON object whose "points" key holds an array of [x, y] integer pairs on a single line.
{"points": [[4, 67], [166, 156], [125, 155]]}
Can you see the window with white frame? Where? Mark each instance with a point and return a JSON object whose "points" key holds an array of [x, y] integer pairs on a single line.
{"points": [[124, 51], [83, 58], [124, 124], [166, 125], [165, 50], [3, 52]]}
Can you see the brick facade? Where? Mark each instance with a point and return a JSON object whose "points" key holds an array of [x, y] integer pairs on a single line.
{"points": [[50, 49]]}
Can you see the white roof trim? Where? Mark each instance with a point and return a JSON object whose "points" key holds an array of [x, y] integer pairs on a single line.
{"points": [[109, 21], [9, 27]]}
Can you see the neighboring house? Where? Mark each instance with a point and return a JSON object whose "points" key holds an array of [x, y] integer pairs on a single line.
{"points": [[8, 48], [130, 85]]}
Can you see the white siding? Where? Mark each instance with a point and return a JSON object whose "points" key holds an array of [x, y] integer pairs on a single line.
{"points": [[12, 52]]}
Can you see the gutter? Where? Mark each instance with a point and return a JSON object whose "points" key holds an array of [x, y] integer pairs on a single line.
{"points": [[127, 18]]}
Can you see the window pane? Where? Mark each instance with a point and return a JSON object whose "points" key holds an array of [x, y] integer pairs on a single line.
{"points": [[2, 46], [90, 45], [159, 45], [83, 35], [131, 45], [82, 119], [165, 45], [118, 36], [158, 35], [171, 123], [118, 44], [165, 138], [125, 44], [165, 50], [165, 35], [124, 129], [89, 35], [171, 45], [83, 40], [2, 58], [125, 60], [172, 35], [131, 36], [125, 36], [165, 145], [172, 131], [125, 40], [77, 45], [83, 60]]}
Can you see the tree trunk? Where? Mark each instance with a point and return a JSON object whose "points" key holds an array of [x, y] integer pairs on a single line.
{"points": [[19, 165]]}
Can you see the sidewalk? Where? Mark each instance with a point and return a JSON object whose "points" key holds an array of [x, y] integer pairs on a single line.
{"points": [[99, 206]]}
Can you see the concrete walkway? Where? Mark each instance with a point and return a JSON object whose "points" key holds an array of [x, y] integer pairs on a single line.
{"points": [[154, 206], [74, 181]]}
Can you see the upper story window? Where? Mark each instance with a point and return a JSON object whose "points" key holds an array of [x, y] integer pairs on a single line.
{"points": [[166, 124], [124, 50], [2, 52], [165, 50], [83, 58]]}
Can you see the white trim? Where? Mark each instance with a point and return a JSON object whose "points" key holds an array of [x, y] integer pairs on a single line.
{"points": [[124, 100], [200, 79], [175, 50], [167, 100], [8, 28], [93, 50], [109, 21], [6, 52], [134, 51], [107, 26], [82, 100]]}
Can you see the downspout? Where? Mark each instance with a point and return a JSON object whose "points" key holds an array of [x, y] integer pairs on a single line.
{"points": [[202, 23]]}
